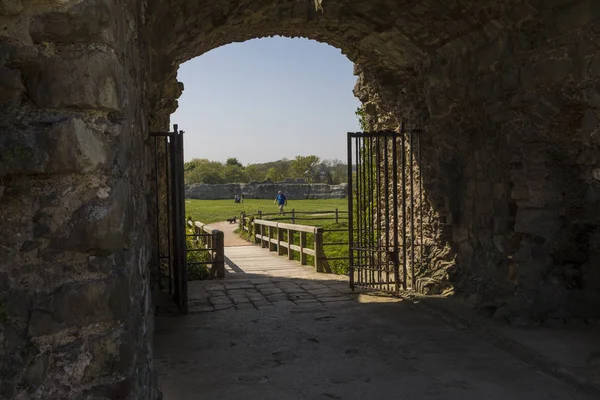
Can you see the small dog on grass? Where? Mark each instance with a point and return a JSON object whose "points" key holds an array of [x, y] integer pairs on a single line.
{"points": [[232, 220]]}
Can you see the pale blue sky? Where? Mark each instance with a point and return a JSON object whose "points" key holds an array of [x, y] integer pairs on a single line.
{"points": [[266, 99]]}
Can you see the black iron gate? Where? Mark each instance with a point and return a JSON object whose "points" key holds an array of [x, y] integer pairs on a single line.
{"points": [[385, 229], [170, 211]]}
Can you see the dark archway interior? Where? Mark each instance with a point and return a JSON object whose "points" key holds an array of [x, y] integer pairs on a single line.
{"points": [[507, 92]]}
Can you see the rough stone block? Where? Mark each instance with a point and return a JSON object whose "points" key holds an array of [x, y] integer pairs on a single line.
{"points": [[80, 304], [99, 224], [484, 206], [584, 303], [499, 190], [554, 70], [519, 193], [11, 88], [579, 14], [460, 234], [110, 353], [484, 189], [91, 21], [538, 222], [77, 80], [70, 146], [11, 8]]}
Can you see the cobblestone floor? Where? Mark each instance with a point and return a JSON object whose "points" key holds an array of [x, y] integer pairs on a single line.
{"points": [[266, 281], [276, 330]]}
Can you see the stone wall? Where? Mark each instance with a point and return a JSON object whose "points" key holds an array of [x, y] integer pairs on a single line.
{"points": [[266, 190], [511, 161], [507, 92], [76, 318]]}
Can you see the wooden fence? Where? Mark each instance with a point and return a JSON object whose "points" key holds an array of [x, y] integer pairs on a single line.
{"points": [[294, 215], [270, 234], [211, 241]]}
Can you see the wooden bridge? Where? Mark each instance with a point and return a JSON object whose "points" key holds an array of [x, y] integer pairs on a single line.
{"points": [[254, 276]]}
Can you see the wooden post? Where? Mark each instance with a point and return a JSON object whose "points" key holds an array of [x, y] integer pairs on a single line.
{"points": [[262, 238], [293, 215], [219, 260], [302, 246], [337, 216], [243, 221], [259, 214], [321, 263], [270, 235], [279, 240], [318, 244], [290, 240]]}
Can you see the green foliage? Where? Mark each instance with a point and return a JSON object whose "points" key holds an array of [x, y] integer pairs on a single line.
{"points": [[306, 167], [234, 162], [234, 174], [362, 119], [195, 271], [203, 171], [310, 168], [274, 175]]}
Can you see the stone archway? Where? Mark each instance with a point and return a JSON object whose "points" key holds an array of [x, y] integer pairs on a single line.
{"points": [[508, 94]]}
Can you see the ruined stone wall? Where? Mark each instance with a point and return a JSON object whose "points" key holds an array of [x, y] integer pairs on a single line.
{"points": [[510, 159], [265, 190], [76, 315]]}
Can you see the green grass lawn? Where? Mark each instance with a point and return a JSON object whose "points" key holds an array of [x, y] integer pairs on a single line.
{"points": [[208, 211]]}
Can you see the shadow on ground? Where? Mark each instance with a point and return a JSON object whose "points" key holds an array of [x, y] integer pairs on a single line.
{"points": [[260, 336]]}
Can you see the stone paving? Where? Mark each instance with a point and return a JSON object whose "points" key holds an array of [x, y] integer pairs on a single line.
{"points": [[266, 280], [276, 330]]}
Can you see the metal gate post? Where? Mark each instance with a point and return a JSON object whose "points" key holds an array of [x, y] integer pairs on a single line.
{"points": [[350, 214]]}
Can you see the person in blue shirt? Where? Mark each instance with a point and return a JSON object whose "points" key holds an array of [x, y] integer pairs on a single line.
{"points": [[281, 200]]}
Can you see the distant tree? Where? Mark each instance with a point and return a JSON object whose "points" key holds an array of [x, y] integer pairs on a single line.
{"points": [[304, 167], [234, 161], [204, 171], [234, 174], [254, 173], [338, 171], [273, 175]]}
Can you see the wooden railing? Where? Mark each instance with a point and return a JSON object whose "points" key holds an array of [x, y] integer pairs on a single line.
{"points": [[270, 234], [213, 244], [294, 215]]}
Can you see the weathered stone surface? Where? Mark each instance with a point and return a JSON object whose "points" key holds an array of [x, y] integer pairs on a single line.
{"points": [[11, 88], [69, 146], [77, 80], [99, 224], [506, 94], [11, 7], [87, 22], [79, 305], [266, 190]]}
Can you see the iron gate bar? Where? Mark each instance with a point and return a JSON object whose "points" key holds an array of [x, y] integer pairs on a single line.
{"points": [[387, 212], [421, 204], [156, 187], [350, 212], [374, 228], [175, 213], [395, 211], [378, 199], [412, 213], [169, 180]]}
